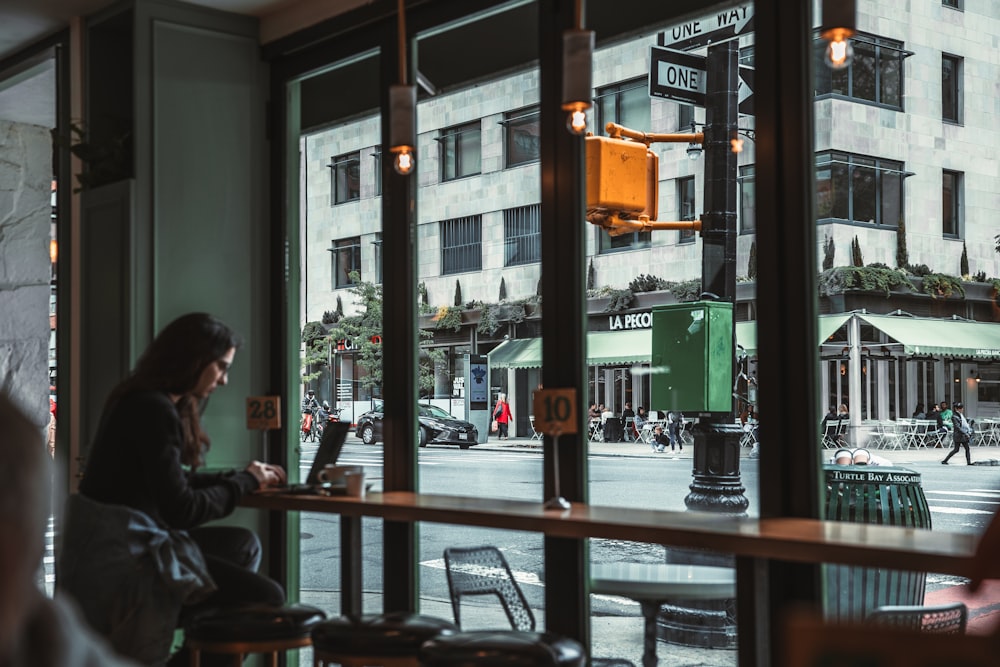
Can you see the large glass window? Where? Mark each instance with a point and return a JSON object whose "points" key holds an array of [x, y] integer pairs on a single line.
{"points": [[521, 136], [624, 103], [345, 178], [951, 88], [951, 203], [462, 244], [461, 151], [875, 74], [522, 239], [858, 188]]}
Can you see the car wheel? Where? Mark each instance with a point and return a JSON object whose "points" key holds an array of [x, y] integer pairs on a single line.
{"points": [[424, 436], [368, 434]]}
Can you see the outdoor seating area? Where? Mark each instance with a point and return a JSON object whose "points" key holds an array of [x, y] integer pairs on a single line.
{"points": [[921, 433]]}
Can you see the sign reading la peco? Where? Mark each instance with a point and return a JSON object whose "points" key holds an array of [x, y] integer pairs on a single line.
{"points": [[631, 321]]}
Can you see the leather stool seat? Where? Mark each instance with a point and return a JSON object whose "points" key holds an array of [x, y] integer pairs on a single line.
{"points": [[251, 629], [490, 648], [392, 639]]}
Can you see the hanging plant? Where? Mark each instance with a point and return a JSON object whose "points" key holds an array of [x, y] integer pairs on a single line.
{"points": [[687, 290], [942, 285], [868, 278], [644, 283], [448, 317]]}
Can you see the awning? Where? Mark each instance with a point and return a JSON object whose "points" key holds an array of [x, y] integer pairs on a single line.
{"points": [[936, 337], [828, 325], [604, 348]]}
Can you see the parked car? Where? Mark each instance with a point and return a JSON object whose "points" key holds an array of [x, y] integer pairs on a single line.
{"points": [[437, 427]]}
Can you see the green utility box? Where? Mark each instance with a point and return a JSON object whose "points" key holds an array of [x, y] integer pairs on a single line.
{"points": [[692, 357]]}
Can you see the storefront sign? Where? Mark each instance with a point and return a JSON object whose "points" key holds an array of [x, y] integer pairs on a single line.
{"points": [[642, 320]]}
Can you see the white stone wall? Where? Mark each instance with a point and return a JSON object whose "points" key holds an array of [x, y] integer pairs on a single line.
{"points": [[25, 211], [916, 136]]}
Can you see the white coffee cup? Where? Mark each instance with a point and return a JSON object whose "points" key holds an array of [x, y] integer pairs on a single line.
{"points": [[355, 483], [335, 473]]}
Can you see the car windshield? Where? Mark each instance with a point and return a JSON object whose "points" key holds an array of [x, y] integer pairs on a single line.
{"points": [[434, 411]]}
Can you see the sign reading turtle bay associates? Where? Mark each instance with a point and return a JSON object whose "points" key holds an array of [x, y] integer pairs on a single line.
{"points": [[676, 75], [716, 27]]}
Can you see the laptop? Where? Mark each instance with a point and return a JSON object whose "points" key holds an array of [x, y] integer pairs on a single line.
{"points": [[330, 446]]}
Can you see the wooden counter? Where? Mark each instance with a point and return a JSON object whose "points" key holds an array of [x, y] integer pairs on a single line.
{"points": [[785, 539]]}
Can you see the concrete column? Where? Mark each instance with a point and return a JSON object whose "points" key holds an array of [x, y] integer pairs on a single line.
{"points": [[25, 270]]}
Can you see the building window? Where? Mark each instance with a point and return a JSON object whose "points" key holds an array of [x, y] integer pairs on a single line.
{"points": [[377, 159], [377, 245], [346, 258], [875, 74], [522, 136], [625, 103], [951, 88], [462, 245], [954, 4], [685, 118], [461, 151], [858, 188], [685, 206], [951, 203], [522, 235], [748, 203], [345, 178]]}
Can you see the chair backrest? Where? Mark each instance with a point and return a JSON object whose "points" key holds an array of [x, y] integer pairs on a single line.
{"points": [[484, 571], [941, 619]]}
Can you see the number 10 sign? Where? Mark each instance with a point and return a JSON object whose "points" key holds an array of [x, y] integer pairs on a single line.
{"points": [[555, 411]]}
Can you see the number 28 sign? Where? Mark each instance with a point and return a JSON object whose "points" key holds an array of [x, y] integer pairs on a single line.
{"points": [[555, 411], [264, 412]]}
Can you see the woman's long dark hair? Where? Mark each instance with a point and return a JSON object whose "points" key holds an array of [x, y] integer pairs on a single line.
{"points": [[173, 363]]}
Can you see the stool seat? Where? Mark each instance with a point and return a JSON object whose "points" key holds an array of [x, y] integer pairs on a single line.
{"points": [[489, 648], [389, 640], [254, 623]]}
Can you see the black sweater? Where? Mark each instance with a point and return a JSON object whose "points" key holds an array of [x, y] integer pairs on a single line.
{"points": [[136, 461]]}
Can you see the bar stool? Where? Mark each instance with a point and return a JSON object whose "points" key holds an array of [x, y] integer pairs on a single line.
{"points": [[251, 629], [389, 640], [492, 648]]}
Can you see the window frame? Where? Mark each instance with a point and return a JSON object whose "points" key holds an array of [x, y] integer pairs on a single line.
{"points": [[954, 87], [851, 163], [880, 47], [351, 244], [686, 209], [515, 121], [522, 232], [455, 255], [616, 93], [341, 167], [450, 139], [955, 206], [745, 183]]}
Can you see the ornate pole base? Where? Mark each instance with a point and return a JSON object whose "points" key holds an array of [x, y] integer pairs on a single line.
{"points": [[717, 486]]}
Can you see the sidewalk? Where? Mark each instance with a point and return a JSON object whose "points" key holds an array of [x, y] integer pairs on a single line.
{"points": [[980, 455]]}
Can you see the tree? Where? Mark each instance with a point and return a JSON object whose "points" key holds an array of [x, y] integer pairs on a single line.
{"points": [[458, 294], [752, 261], [856, 258], [902, 254], [828, 253], [503, 289], [363, 332], [316, 351], [591, 274], [964, 262]]}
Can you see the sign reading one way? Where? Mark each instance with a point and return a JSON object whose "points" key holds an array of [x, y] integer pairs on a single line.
{"points": [[680, 76], [720, 26]]}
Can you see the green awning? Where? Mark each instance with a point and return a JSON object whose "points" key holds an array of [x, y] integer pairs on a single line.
{"points": [[631, 346], [951, 338], [828, 325]]}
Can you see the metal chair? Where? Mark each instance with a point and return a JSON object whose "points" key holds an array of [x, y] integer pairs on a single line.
{"points": [[535, 433], [941, 619], [484, 571]]}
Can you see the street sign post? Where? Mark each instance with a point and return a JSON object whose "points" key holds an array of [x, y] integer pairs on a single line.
{"points": [[676, 75], [711, 29]]}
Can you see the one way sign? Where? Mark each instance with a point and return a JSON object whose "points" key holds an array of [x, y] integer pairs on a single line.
{"points": [[680, 76], [745, 90]]}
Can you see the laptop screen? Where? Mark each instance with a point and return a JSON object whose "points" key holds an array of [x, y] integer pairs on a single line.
{"points": [[330, 445]]}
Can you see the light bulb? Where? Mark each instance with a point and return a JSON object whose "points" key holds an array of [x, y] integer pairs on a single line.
{"points": [[693, 151], [736, 145], [403, 162], [839, 51], [576, 122]]}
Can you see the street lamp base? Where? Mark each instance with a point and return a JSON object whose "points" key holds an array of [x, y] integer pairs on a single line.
{"points": [[716, 486]]}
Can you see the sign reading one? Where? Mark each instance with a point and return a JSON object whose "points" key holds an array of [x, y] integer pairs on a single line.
{"points": [[264, 412], [676, 75], [555, 411], [716, 27]]}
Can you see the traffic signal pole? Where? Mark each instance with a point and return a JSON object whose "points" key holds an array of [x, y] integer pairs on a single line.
{"points": [[716, 484]]}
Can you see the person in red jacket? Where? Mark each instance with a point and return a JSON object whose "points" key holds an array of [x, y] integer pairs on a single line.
{"points": [[503, 416]]}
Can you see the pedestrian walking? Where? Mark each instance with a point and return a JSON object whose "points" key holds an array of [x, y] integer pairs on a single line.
{"points": [[961, 434], [502, 415]]}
